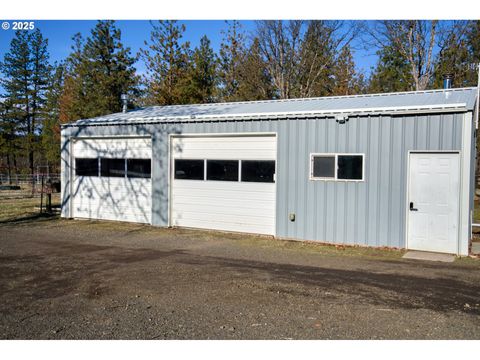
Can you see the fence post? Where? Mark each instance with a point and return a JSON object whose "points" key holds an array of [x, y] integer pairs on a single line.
{"points": [[49, 203], [41, 196], [49, 194]]}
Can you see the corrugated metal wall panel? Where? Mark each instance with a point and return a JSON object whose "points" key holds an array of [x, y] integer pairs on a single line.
{"points": [[282, 172], [364, 213], [397, 157]]}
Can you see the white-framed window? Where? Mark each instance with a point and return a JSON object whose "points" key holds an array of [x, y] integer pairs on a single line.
{"points": [[337, 167]]}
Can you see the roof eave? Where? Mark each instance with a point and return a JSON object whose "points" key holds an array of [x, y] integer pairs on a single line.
{"points": [[398, 110]]}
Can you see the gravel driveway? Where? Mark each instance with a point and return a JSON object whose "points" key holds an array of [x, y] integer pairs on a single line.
{"points": [[64, 279]]}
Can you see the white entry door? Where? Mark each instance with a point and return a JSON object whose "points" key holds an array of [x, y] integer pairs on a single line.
{"points": [[433, 202]]}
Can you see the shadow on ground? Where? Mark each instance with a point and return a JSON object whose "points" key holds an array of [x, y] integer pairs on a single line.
{"points": [[30, 218], [69, 265]]}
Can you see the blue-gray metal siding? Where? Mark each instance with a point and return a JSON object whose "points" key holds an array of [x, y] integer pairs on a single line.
{"points": [[370, 213]]}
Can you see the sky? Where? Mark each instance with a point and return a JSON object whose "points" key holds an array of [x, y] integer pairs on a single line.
{"points": [[134, 32]]}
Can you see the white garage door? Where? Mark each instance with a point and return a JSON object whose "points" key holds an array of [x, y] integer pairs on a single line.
{"points": [[224, 183], [112, 179]]}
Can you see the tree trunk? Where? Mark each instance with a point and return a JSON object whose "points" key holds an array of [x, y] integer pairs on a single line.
{"points": [[15, 163], [9, 169], [30, 160]]}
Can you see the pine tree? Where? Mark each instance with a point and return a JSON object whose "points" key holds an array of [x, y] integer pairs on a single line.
{"points": [[41, 72], [166, 60], [347, 81], [459, 55], [412, 41], [254, 83], [16, 81], [9, 142], [202, 74], [26, 71], [72, 102], [111, 72], [51, 125], [473, 39], [392, 72], [454, 60], [473, 45], [232, 50], [316, 66], [99, 70]]}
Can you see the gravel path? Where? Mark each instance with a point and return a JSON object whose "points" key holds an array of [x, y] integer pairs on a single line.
{"points": [[91, 280]]}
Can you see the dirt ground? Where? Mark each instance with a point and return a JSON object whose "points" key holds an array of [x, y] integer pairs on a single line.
{"points": [[62, 279]]}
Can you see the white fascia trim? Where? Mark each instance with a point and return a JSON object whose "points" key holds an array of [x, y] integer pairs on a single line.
{"points": [[462, 107], [389, 109]]}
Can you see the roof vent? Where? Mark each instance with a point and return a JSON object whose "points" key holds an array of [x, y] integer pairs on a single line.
{"points": [[447, 81], [124, 98]]}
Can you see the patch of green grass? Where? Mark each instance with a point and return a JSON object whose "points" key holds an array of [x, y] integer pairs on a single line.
{"points": [[476, 211], [13, 209], [292, 245], [467, 261], [325, 249]]}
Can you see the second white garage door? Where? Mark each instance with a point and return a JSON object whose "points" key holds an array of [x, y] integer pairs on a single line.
{"points": [[112, 179], [224, 183]]}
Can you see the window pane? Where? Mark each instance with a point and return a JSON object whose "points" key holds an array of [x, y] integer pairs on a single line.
{"points": [[189, 169], [350, 167], [138, 168], [225, 170], [86, 167], [258, 170], [323, 166], [112, 167]]}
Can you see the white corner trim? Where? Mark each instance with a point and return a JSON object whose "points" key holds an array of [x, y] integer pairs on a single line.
{"points": [[464, 231]]}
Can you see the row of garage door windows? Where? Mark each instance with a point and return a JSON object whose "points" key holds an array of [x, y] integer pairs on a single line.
{"points": [[132, 168], [225, 170]]}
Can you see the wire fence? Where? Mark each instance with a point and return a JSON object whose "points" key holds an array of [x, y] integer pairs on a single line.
{"points": [[28, 186]]}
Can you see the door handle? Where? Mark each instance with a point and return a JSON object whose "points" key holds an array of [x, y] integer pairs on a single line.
{"points": [[412, 208]]}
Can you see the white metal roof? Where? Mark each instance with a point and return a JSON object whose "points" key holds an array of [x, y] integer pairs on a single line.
{"points": [[431, 101]]}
